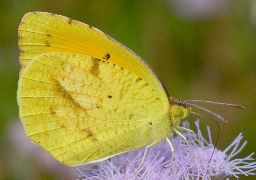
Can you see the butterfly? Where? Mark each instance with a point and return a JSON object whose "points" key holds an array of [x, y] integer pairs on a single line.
{"points": [[84, 97]]}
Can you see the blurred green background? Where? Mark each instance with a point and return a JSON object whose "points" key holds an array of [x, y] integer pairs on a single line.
{"points": [[201, 49]]}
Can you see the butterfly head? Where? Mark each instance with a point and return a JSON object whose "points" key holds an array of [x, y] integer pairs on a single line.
{"points": [[179, 110]]}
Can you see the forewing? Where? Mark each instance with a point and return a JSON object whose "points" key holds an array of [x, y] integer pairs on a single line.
{"points": [[82, 109], [41, 32]]}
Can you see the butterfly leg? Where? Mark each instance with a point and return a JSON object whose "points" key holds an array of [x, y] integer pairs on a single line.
{"points": [[170, 144], [171, 147], [186, 129], [145, 154], [179, 133]]}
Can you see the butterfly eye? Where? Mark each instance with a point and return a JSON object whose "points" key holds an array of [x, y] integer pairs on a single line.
{"points": [[177, 111]]}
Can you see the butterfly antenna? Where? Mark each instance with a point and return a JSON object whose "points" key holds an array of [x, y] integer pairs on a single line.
{"points": [[197, 114], [217, 103], [218, 116], [186, 103]]}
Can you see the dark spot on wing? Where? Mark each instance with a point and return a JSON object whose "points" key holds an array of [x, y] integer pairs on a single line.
{"points": [[144, 85], [149, 124], [106, 57], [48, 34], [89, 134], [138, 79], [109, 96], [90, 26], [47, 44], [108, 36], [70, 21]]}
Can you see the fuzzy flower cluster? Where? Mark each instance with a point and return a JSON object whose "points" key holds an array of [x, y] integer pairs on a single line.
{"points": [[194, 158]]}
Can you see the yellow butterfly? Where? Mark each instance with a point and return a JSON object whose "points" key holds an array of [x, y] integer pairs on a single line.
{"points": [[85, 97]]}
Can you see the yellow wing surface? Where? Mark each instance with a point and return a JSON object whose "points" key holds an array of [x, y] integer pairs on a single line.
{"points": [[41, 32], [83, 96]]}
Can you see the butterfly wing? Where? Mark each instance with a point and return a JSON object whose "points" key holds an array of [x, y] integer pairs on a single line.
{"points": [[82, 109], [41, 32]]}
